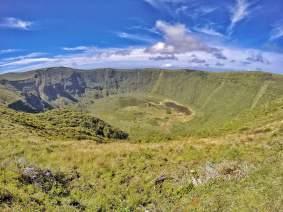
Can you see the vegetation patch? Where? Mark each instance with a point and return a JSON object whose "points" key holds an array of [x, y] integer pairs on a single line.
{"points": [[47, 180], [77, 205], [226, 170], [178, 108], [146, 118], [65, 124], [6, 197]]}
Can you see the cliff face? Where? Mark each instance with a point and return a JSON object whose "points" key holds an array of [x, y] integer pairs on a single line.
{"points": [[40, 90]]}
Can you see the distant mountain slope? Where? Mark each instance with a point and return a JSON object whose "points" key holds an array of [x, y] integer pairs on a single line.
{"points": [[41, 89], [215, 98]]}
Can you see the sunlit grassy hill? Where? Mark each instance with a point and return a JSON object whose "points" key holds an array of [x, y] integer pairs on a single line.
{"points": [[43, 171], [141, 140]]}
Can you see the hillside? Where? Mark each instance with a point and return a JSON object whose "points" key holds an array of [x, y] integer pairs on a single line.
{"points": [[214, 99], [58, 124], [239, 171], [141, 140]]}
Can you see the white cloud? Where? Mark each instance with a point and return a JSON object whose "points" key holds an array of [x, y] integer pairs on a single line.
{"points": [[167, 65], [164, 57], [168, 6], [77, 48], [257, 57], [238, 13], [153, 3], [182, 9], [139, 58], [208, 30], [199, 10], [176, 39], [15, 23], [178, 47], [27, 61], [144, 29], [195, 60], [134, 37], [7, 51], [276, 33], [206, 10], [159, 4], [30, 55]]}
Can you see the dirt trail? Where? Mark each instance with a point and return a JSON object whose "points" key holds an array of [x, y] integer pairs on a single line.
{"points": [[260, 93]]}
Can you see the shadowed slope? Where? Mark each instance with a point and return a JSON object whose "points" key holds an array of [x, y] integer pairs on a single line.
{"points": [[60, 124]]}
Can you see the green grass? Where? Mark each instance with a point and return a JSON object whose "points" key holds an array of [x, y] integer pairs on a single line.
{"points": [[7, 96], [62, 124], [226, 155], [121, 176], [215, 99], [146, 118]]}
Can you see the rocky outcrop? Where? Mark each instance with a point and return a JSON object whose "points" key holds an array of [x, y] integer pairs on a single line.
{"points": [[30, 104]]}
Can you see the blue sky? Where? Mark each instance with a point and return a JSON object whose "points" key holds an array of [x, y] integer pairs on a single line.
{"points": [[200, 34]]}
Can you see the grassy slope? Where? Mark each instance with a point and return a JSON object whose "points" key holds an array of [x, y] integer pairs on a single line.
{"points": [[245, 153], [61, 124], [215, 98], [121, 176], [8, 96], [146, 118], [232, 94]]}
